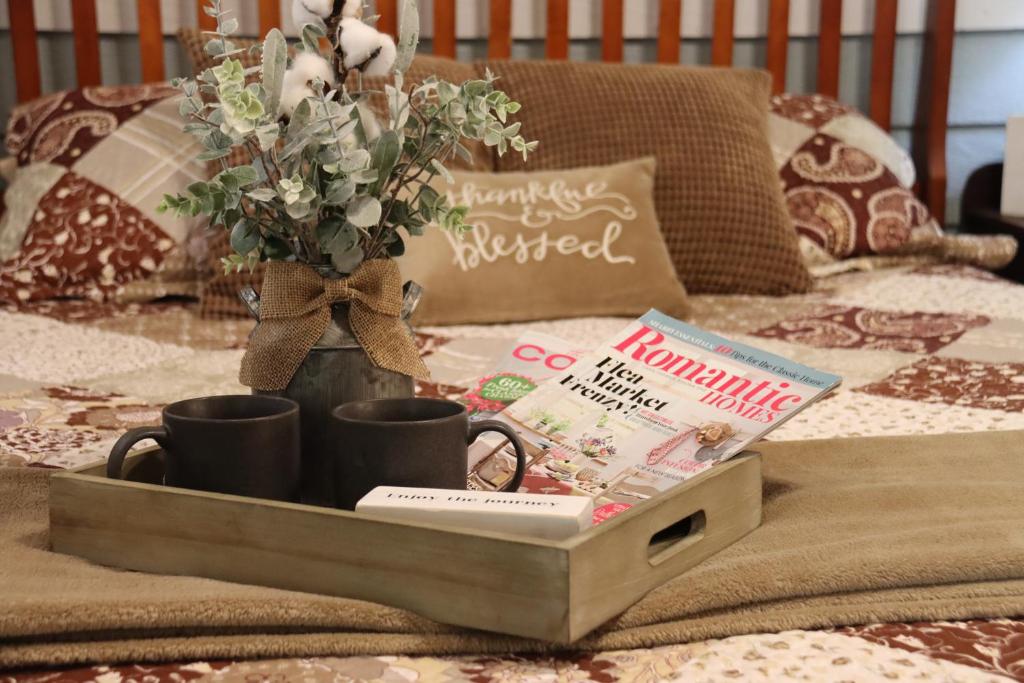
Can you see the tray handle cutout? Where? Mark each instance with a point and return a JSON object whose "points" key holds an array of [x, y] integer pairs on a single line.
{"points": [[676, 537]]}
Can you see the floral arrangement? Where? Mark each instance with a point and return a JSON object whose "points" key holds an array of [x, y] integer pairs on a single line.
{"points": [[328, 183]]}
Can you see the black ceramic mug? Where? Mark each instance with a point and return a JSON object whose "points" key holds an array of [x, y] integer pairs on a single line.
{"points": [[419, 442], [242, 445]]}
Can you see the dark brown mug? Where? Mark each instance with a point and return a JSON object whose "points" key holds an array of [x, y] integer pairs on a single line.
{"points": [[242, 445], [418, 442]]}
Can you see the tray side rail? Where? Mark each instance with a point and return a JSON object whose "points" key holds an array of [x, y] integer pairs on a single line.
{"points": [[491, 582], [647, 546]]}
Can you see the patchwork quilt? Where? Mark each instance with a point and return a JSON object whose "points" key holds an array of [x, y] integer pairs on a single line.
{"points": [[922, 349]]}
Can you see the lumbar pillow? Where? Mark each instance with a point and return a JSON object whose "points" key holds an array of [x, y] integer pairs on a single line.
{"points": [[717, 191], [551, 244]]}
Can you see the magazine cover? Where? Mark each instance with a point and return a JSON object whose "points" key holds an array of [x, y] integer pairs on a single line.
{"points": [[656, 404], [534, 358]]}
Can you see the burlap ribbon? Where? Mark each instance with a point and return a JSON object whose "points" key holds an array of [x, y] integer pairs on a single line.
{"points": [[295, 310]]}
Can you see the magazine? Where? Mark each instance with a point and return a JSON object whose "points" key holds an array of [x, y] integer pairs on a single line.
{"points": [[654, 405], [532, 359]]}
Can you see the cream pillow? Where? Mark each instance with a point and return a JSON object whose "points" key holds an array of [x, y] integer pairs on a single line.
{"points": [[549, 244]]}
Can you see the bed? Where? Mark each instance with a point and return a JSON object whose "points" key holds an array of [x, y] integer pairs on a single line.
{"points": [[74, 374], [952, 365]]}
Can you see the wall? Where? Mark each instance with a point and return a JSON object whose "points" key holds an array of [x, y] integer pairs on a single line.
{"points": [[987, 84]]}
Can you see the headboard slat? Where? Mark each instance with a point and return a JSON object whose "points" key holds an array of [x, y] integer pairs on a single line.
{"points": [[388, 11], [26, 50], [883, 57], [933, 106], [444, 28], [270, 16], [87, 42], [669, 15], [830, 42], [204, 20], [499, 46], [151, 41], [778, 43], [722, 38], [612, 40], [557, 43]]}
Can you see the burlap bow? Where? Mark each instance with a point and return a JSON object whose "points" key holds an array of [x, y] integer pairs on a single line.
{"points": [[295, 310]]}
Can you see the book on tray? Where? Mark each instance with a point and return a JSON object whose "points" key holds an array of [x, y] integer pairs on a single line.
{"points": [[657, 403]]}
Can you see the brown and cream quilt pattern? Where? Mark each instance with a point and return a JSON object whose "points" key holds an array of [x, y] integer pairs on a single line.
{"points": [[922, 349]]}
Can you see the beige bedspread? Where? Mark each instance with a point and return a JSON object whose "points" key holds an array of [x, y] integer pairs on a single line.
{"points": [[928, 350]]}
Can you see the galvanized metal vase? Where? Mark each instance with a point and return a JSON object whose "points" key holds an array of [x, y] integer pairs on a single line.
{"points": [[336, 370]]}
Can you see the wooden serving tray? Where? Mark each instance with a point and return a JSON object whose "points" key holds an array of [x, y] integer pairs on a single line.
{"points": [[519, 585]]}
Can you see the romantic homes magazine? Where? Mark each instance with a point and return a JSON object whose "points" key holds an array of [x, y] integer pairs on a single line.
{"points": [[654, 405]]}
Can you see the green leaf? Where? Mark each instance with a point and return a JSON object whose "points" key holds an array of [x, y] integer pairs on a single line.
{"points": [[397, 247], [299, 210], [408, 35], [214, 47], [428, 201], [327, 230], [275, 62], [356, 160], [244, 236], [275, 248], [364, 176], [347, 261], [384, 156], [443, 170], [267, 135], [211, 154], [363, 211], [263, 194], [311, 35], [398, 105], [339, 191], [229, 26]]}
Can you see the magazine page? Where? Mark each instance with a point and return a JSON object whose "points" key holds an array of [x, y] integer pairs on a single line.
{"points": [[656, 404], [534, 358]]}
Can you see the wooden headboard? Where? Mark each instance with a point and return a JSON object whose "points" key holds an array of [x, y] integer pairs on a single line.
{"points": [[929, 145]]}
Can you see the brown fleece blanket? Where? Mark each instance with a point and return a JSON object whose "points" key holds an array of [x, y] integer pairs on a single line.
{"points": [[855, 531]]}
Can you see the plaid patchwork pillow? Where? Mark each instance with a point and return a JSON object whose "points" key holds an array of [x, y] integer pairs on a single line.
{"points": [[847, 183], [81, 215]]}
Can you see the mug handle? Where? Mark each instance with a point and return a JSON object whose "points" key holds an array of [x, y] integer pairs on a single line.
{"points": [[116, 460], [478, 428]]}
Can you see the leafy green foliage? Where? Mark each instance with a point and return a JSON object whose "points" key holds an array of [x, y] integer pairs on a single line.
{"points": [[325, 186]]}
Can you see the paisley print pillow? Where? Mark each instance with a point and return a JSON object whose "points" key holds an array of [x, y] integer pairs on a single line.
{"points": [[92, 165], [846, 181]]}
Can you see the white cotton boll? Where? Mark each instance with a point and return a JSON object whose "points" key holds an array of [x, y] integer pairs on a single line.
{"points": [[352, 8], [312, 66], [308, 11], [292, 95], [382, 63], [357, 41], [297, 85], [364, 47]]}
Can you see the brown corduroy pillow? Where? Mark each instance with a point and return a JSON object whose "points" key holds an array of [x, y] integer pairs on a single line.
{"points": [[545, 245], [220, 294], [717, 191]]}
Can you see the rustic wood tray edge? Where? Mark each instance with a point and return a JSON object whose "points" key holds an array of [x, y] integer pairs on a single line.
{"points": [[552, 590]]}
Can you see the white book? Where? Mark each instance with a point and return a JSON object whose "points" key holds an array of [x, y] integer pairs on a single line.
{"points": [[531, 514]]}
